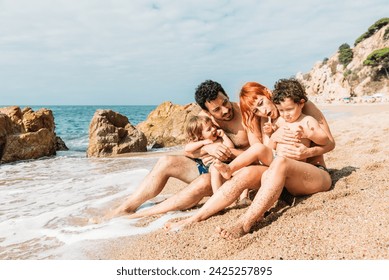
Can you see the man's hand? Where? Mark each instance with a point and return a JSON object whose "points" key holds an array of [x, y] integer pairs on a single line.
{"points": [[218, 150], [207, 160]]}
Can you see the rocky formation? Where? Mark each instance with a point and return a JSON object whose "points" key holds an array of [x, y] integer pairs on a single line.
{"points": [[111, 133], [329, 80], [165, 125], [25, 134]]}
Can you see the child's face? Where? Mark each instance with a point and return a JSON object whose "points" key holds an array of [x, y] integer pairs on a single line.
{"points": [[289, 110], [209, 131]]}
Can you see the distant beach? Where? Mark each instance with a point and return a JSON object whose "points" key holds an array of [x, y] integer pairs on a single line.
{"points": [[351, 221]]}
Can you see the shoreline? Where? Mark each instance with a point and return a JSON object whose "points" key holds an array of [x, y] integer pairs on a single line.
{"points": [[351, 221]]}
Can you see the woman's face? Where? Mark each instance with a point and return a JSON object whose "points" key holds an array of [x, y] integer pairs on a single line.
{"points": [[264, 108]]}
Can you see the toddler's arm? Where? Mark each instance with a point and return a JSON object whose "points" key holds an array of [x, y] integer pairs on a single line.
{"points": [[226, 140], [194, 146]]}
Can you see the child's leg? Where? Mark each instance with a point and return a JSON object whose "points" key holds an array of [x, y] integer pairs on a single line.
{"points": [[216, 178], [256, 153]]}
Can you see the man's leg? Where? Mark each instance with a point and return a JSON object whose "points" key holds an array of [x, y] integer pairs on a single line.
{"points": [[179, 167], [184, 199]]}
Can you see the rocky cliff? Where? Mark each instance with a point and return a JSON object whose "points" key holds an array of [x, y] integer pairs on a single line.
{"points": [[332, 79]]}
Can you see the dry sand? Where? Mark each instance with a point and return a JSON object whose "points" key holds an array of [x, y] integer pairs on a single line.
{"points": [[351, 221]]}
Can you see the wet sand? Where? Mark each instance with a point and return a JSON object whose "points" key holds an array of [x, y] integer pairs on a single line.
{"points": [[351, 221]]}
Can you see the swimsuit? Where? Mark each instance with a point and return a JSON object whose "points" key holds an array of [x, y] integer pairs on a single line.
{"points": [[203, 169], [322, 167]]}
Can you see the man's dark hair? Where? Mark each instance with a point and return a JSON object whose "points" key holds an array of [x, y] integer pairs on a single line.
{"points": [[207, 91], [288, 88]]}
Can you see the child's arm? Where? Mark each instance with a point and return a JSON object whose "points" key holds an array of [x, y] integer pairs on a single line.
{"points": [[194, 146], [314, 132], [226, 140]]}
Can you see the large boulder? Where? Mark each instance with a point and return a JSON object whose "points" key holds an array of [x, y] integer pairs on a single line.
{"points": [[29, 145], [165, 126], [25, 134], [111, 133], [34, 121]]}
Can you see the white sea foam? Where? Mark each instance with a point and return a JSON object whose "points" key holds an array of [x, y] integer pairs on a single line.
{"points": [[46, 204]]}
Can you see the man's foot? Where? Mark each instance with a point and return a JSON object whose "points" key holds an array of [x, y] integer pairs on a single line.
{"points": [[234, 232], [176, 226], [223, 168]]}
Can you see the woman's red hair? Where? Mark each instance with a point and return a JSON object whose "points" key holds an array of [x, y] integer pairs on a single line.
{"points": [[248, 95]]}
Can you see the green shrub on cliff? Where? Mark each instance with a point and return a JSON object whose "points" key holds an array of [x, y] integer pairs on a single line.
{"points": [[345, 54], [386, 34], [372, 29], [379, 58]]}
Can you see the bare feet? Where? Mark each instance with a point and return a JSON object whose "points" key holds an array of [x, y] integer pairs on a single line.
{"points": [[234, 232], [176, 226], [223, 168]]}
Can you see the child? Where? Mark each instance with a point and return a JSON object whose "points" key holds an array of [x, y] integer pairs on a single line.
{"points": [[201, 131], [289, 101]]}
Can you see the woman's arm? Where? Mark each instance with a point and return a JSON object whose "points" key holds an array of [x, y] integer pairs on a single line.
{"points": [[314, 132]]}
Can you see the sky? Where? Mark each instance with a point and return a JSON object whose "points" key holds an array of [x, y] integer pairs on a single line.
{"points": [[121, 52]]}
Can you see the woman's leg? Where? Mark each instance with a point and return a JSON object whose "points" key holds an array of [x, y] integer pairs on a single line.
{"points": [[299, 178], [247, 178], [255, 154]]}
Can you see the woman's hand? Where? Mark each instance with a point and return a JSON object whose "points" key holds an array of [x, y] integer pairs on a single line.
{"points": [[297, 151], [268, 127], [284, 135]]}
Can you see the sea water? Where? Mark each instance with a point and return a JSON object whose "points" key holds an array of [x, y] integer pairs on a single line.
{"points": [[46, 205]]}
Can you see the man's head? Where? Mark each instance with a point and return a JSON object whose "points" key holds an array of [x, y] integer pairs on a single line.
{"points": [[212, 98]]}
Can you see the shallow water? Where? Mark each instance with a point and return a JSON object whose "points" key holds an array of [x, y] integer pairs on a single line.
{"points": [[46, 205]]}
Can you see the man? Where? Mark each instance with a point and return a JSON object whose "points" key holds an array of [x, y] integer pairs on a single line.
{"points": [[213, 100]]}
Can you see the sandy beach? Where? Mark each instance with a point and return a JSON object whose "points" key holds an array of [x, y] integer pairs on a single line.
{"points": [[351, 221]]}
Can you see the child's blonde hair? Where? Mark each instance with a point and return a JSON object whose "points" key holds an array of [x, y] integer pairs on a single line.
{"points": [[194, 127]]}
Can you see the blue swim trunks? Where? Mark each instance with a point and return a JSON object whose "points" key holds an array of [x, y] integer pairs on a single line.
{"points": [[203, 169]]}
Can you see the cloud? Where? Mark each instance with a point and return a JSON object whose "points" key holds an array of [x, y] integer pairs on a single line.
{"points": [[150, 51]]}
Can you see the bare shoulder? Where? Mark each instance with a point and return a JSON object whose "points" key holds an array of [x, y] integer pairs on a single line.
{"points": [[310, 109]]}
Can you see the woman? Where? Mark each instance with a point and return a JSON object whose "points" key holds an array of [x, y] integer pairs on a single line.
{"points": [[299, 178]]}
